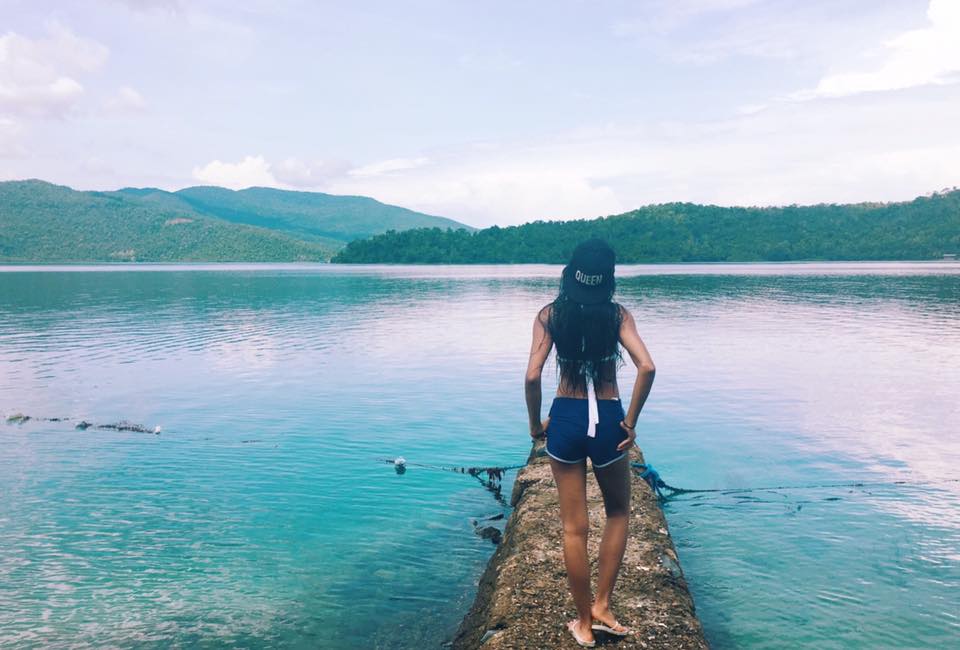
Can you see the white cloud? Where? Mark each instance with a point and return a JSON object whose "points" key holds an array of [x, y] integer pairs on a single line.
{"points": [[750, 109], [389, 166], [703, 32], [37, 76], [291, 173], [485, 184], [917, 57], [249, 172], [149, 5], [485, 192], [665, 16], [848, 150], [308, 174], [11, 145], [125, 100]]}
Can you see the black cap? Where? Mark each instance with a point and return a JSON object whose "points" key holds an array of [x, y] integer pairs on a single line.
{"points": [[588, 278]]}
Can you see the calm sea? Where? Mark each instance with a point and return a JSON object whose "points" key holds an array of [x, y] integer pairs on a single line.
{"points": [[263, 515]]}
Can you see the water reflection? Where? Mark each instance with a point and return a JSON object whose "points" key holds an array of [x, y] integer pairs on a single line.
{"points": [[767, 375]]}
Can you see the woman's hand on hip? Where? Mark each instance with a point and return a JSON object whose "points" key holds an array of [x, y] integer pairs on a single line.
{"points": [[631, 436], [542, 431]]}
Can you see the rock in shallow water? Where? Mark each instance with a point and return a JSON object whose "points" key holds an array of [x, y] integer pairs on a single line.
{"points": [[491, 533]]}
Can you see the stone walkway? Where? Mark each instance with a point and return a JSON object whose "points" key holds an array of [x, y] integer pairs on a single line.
{"points": [[523, 600]]}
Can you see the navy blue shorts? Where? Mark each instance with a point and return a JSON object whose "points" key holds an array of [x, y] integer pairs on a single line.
{"points": [[567, 439]]}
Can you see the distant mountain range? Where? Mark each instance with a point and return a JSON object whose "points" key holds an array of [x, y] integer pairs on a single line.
{"points": [[45, 223], [926, 228]]}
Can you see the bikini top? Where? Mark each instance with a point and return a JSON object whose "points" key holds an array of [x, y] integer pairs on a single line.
{"points": [[609, 357]]}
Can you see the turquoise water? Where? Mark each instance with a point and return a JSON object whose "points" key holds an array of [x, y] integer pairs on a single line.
{"points": [[260, 516]]}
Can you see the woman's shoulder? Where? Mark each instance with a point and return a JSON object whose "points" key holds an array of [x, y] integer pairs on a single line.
{"points": [[625, 314], [545, 312]]}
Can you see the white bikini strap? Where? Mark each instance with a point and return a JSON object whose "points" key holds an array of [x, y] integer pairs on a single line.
{"points": [[593, 413]]}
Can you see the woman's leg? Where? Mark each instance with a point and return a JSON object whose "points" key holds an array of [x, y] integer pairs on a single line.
{"points": [[614, 482], [571, 479]]}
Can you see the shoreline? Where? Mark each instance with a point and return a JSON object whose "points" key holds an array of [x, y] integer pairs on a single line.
{"points": [[522, 599], [519, 269]]}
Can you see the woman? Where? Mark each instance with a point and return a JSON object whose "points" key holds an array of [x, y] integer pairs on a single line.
{"points": [[587, 419]]}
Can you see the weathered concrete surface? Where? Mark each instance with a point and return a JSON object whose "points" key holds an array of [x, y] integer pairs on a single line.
{"points": [[523, 600]]}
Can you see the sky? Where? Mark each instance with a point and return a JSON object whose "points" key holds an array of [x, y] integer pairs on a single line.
{"points": [[493, 112]]}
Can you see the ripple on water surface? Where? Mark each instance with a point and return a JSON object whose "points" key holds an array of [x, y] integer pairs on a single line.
{"points": [[261, 515]]}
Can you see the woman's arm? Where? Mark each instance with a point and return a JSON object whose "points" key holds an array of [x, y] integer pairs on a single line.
{"points": [[539, 350], [646, 371]]}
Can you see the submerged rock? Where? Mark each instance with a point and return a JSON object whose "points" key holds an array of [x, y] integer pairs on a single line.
{"points": [[491, 533]]}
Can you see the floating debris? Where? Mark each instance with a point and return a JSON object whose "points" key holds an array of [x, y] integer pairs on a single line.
{"points": [[83, 425], [20, 418], [489, 634], [124, 425], [491, 473], [489, 477]]}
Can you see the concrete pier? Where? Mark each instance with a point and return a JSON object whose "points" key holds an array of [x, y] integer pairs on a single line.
{"points": [[523, 600]]}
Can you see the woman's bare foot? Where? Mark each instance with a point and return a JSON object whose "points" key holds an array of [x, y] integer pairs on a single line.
{"points": [[583, 633], [608, 622]]}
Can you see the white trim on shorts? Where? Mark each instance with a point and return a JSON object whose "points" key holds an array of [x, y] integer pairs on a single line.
{"points": [[563, 460], [612, 461]]}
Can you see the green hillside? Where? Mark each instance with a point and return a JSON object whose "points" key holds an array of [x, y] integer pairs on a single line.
{"points": [[44, 223], [924, 228], [306, 215]]}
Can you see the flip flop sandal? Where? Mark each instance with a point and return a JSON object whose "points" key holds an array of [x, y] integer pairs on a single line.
{"points": [[585, 644], [611, 629]]}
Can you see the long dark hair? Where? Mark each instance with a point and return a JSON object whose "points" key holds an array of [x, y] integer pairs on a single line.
{"points": [[586, 336]]}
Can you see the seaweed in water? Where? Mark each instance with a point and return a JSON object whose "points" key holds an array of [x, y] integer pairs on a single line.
{"points": [[83, 425], [492, 480], [20, 418], [124, 425]]}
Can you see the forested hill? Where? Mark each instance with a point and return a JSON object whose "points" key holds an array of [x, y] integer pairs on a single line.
{"points": [[924, 228], [45, 223], [305, 215]]}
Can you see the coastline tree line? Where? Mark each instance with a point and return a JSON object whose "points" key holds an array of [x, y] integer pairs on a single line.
{"points": [[927, 227]]}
